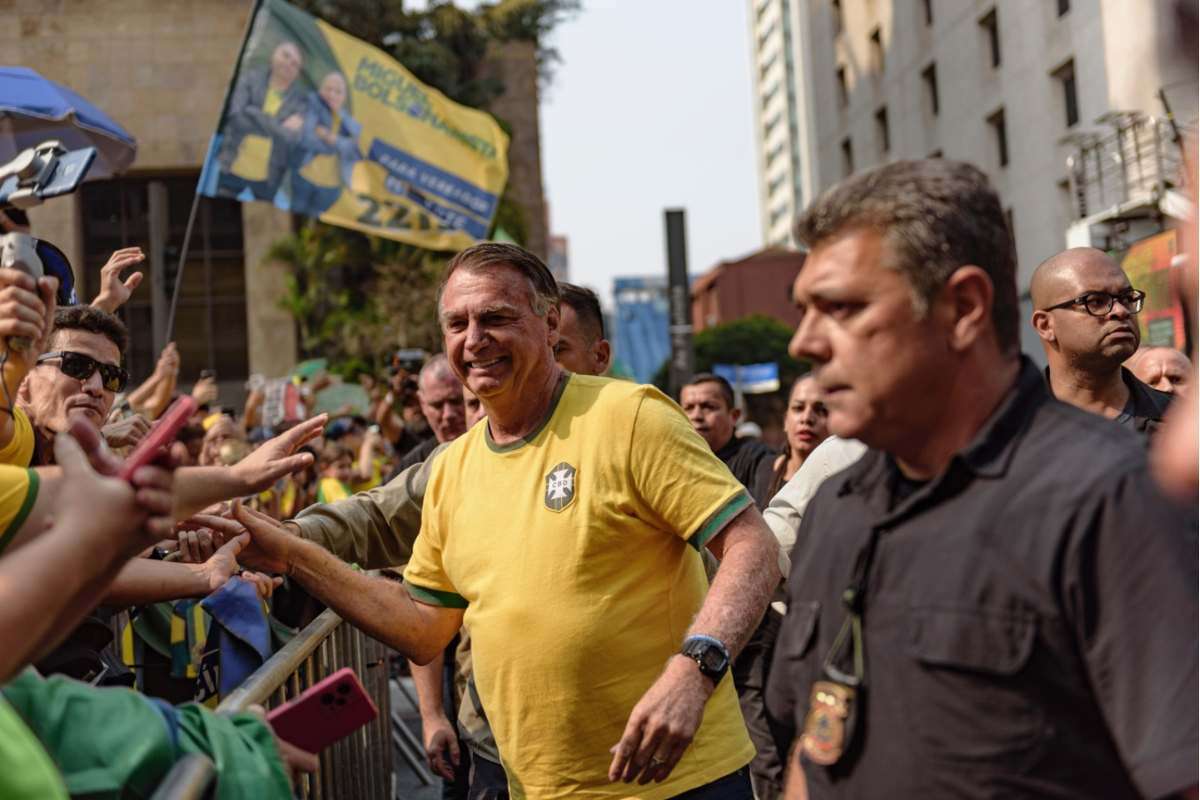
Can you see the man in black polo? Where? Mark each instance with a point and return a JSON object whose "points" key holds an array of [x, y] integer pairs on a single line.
{"points": [[1086, 315], [995, 601], [709, 404]]}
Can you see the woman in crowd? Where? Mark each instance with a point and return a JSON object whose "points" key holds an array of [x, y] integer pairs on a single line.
{"points": [[806, 425], [328, 148]]}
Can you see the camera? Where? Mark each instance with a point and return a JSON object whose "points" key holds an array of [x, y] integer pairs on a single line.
{"points": [[41, 172]]}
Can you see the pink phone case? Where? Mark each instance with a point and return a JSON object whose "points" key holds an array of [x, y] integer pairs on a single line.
{"points": [[159, 436], [324, 713]]}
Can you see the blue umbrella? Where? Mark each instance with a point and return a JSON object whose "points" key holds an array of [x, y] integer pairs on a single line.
{"points": [[33, 110]]}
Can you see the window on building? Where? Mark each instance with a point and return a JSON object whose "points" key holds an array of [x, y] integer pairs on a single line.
{"points": [[212, 302], [882, 134], [928, 4], [1065, 75], [1000, 132], [847, 157], [877, 51], [835, 6], [1063, 6], [991, 30], [843, 91], [929, 77]]}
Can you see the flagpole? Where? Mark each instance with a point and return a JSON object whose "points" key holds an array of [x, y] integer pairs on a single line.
{"points": [[187, 234]]}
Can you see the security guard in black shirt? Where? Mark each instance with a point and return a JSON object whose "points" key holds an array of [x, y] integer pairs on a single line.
{"points": [[1086, 315], [995, 601]]}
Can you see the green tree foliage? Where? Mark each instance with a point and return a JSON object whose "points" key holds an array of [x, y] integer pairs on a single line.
{"points": [[356, 298], [756, 339]]}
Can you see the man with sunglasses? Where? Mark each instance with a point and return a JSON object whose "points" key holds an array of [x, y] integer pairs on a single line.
{"points": [[1086, 315], [79, 374]]}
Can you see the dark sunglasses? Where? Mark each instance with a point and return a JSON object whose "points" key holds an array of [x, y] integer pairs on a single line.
{"points": [[81, 367]]}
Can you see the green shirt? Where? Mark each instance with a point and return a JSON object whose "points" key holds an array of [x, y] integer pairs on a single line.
{"points": [[25, 769]]}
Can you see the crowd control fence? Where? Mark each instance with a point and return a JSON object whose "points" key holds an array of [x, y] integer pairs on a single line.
{"points": [[358, 767]]}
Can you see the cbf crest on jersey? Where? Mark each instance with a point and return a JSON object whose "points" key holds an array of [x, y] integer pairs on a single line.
{"points": [[560, 487]]}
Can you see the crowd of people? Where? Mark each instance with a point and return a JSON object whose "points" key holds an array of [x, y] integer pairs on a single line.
{"points": [[959, 575]]}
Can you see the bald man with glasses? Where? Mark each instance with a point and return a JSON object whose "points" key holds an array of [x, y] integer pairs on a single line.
{"points": [[1086, 316]]}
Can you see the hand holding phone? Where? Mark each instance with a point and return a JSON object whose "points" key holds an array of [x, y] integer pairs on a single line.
{"points": [[160, 436], [325, 713]]}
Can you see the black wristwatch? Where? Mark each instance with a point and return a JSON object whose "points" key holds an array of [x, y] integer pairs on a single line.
{"points": [[709, 654]]}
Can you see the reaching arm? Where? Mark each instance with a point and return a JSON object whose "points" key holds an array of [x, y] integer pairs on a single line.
{"points": [[197, 488], [380, 607], [373, 529], [47, 586]]}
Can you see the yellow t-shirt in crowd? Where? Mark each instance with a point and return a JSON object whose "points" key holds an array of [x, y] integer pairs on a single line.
{"points": [[19, 450], [575, 553], [18, 492], [330, 490], [254, 151]]}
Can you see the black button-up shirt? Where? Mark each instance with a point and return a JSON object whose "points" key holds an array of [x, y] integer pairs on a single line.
{"points": [[1030, 624], [1144, 410], [753, 464]]}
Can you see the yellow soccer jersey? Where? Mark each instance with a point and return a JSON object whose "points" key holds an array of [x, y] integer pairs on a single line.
{"points": [[18, 492], [19, 450], [575, 555]]}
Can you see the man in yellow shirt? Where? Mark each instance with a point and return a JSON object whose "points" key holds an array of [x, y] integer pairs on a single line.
{"points": [[567, 529]]}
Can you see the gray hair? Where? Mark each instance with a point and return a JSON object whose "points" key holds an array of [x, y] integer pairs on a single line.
{"points": [[543, 288], [935, 216]]}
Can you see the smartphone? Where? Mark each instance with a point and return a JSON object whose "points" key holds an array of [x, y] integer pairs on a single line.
{"points": [[161, 435], [326, 712]]}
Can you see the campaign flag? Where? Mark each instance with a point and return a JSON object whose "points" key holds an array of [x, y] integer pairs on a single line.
{"points": [[323, 124]]}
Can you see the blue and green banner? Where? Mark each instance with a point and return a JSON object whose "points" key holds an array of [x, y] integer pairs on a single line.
{"points": [[320, 123]]}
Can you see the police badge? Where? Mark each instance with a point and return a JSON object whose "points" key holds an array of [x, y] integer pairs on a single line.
{"points": [[825, 736]]}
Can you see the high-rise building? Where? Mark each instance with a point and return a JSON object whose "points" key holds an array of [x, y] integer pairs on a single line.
{"points": [[1009, 86], [641, 333], [775, 42]]}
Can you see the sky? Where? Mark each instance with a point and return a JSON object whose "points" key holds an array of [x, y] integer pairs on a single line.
{"points": [[650, 108]]}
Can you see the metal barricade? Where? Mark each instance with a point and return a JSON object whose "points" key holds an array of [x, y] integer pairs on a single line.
{"points": [[358, 767], [189, 779]]}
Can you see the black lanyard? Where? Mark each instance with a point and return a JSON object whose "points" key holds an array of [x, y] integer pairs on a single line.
{"points": [[854, 598]]}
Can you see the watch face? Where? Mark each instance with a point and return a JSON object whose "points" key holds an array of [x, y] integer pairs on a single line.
{"points": [[714, 660]]}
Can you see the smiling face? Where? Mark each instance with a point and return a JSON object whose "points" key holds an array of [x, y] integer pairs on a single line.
{"points": [[333, 91], [806, 421], [876, 361], [497, 345], [285, 63], [53, 398], [1093, 343]]}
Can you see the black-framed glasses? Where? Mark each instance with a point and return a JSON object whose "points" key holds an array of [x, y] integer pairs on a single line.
{"points": [[1098, 304], [81, 367]]}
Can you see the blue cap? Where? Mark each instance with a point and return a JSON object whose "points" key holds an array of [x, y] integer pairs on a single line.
{"points": [[56, 265]]}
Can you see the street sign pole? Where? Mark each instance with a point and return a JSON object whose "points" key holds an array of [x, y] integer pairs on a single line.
{"points": [[682, 363]]}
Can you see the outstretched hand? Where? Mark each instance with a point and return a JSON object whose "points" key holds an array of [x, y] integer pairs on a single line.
{"points": [[278, 457], [115, 292], [268, 545]]}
